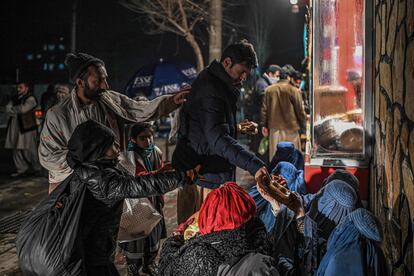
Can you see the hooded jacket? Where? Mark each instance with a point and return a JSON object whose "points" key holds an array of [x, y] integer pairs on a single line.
{"points": [[107, 186]]}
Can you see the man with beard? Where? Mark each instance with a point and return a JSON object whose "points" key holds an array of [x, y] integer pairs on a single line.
{"points": [[92, 99], [208, 132]]}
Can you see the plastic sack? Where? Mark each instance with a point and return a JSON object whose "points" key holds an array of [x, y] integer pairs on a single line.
{"points": [[138, 219], [264, 145], [47, 241]]}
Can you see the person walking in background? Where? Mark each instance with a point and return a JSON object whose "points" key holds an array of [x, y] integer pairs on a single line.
{"points": [[283, 114], [269, 77], [92, 99], [21, 134]]}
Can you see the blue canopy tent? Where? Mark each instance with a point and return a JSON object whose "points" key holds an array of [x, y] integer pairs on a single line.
{"points": [[161, 78]]}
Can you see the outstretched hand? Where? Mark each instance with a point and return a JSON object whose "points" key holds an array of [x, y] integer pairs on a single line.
{"points": [[247, 127], [179, 97], [296, 205], [262, 172], [263, 192]]}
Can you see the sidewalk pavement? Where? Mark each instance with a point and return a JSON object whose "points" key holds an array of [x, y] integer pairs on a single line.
{"points": [[17, 195]]}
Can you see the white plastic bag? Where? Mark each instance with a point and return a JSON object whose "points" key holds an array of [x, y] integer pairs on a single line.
{"points": [[138, 219]]}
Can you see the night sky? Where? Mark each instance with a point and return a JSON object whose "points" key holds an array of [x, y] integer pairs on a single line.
{"points": [[109, 31]]}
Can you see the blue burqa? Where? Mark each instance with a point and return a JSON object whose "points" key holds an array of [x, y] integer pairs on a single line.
{"points": [[286, 153], [353, 248], [302, 252]]}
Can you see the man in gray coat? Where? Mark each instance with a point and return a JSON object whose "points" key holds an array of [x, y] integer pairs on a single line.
{"points": [[92, 99], [22, 131]]}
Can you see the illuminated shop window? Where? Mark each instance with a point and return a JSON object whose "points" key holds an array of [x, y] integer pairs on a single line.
{"points": [[338, 78]]}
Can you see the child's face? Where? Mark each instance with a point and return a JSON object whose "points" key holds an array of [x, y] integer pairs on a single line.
{"points": [[113, 152], [144, 139]]}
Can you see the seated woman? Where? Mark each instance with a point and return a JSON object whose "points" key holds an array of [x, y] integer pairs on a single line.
{"points": [[287, 152], [299, 236], [93, 154], [353, 247], [338, 174], [228, 230], [294, 177], [294, 181]]}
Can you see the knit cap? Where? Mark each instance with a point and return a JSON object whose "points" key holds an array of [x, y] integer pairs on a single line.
{"points": [[78, 63]]}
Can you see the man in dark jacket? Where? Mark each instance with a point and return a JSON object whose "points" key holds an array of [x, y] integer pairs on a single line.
{"points": [[269, 77], [208, 133]]}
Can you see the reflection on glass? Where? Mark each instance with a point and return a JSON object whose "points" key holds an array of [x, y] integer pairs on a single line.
{"points": [[338, 78]]}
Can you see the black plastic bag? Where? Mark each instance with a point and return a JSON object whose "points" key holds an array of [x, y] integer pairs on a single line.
{"points": [[47, 242]]}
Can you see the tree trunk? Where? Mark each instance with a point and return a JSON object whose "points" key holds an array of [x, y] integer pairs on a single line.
{"points": [[197, 51], [216, 14]]}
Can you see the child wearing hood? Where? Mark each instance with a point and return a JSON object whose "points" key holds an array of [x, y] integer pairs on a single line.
{"points": [[93, 154]]}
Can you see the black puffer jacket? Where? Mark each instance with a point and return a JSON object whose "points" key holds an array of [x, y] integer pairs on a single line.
{"points": [[208, 134], [204, 254], [107, 186]]}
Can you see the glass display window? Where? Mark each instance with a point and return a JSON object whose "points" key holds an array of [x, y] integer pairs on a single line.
{"points": [[339, 91]]}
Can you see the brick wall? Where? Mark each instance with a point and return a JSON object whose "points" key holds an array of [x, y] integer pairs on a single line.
{"points": [[392, 189]]}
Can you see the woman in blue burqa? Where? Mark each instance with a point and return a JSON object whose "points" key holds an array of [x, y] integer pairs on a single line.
{"points": [[302, 231], [288, 163], [353, 247]]}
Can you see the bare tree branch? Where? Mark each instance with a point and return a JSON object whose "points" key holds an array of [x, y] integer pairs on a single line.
{"points": [[176, 16]]}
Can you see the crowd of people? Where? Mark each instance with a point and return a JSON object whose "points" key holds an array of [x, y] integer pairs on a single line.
{"points": [[98, 148]]}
